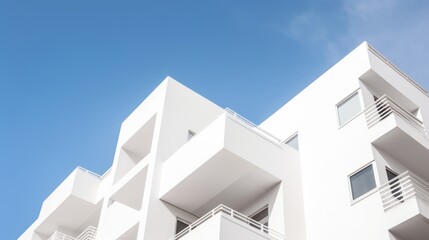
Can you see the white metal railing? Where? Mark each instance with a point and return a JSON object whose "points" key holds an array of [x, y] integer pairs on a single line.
{"points": [[60, 236], [402, 188], [384, 107], [89, 172], [95, 174], [253, 126], [234, 214], [394, 67], [88, 234]]}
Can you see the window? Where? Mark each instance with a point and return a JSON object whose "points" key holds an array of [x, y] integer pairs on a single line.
{"points": [[293, 141], [180, 225], [362, 182], [348, 108], [191, 134]]}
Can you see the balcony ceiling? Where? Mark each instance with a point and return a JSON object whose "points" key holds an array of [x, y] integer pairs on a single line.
{"points": [[224, 179], [229, 163], [416, 228], [381, 87], [69, 215], [407, 150]]}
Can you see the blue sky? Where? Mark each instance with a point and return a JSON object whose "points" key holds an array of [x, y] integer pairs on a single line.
{"points": [[72, 71]]}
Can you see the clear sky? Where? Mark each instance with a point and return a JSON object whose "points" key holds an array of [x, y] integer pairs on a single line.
{"points": [[72, 71]]}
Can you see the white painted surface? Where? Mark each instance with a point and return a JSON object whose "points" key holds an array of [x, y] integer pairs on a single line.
{"points": [[159, 174]]}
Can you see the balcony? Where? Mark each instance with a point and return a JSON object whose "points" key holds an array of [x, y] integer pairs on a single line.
{"points": [[231, 162], [87, 234], [74, 201], [399, 133], [405, 201], [224, 223]]}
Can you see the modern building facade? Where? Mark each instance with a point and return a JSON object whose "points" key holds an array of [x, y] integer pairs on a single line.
{"points": [[347, 158]]}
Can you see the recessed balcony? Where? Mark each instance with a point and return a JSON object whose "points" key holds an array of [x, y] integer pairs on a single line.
{"points": [[400, 134], [406, 204], [230, 162], [224, 223]]}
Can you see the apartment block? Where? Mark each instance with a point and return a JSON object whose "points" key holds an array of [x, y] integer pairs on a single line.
{"points": [[346, 158]]}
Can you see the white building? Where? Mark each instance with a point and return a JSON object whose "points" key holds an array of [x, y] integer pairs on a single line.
{"points": [[347, 158]]}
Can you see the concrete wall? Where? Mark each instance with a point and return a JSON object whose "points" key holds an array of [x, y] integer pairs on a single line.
{"points": [[183, 110]]}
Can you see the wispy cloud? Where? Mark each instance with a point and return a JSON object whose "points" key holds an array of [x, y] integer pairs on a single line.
{"points": [[309, 28], [398, 28]]}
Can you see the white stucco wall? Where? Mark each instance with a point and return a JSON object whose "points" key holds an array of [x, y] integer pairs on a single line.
{"points": [[307, 191]]}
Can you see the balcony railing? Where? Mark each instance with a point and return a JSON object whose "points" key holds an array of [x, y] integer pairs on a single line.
{"points": [[253, 126], [396, 69], [401, 189], [95, 174], [234, 214], [384, 107], [88, 234]]}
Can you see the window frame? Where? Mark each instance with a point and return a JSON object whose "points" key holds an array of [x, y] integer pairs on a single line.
{"points": [[370, 192], [344, 100]]}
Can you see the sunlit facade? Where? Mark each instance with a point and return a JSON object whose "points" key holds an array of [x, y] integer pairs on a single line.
{"points": [[347, 158]]}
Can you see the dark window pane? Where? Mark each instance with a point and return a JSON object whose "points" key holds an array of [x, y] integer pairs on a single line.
{"points": [[180, 226], [394, 184], [261, 215], [362, 182]]}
